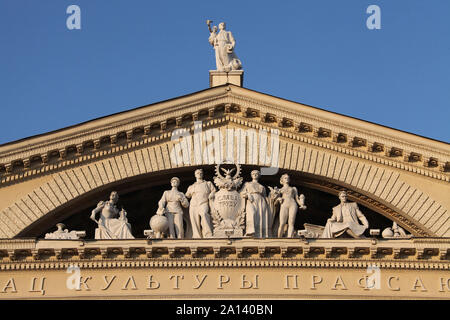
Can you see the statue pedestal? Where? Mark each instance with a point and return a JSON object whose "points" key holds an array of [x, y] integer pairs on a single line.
{"points": [[218, 78]]}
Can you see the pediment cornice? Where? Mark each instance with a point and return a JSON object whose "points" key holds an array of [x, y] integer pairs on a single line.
{"points": [[338, 123], [150, 124]]}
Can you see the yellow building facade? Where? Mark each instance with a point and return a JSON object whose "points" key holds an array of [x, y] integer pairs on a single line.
{"points": [[60, 176]]}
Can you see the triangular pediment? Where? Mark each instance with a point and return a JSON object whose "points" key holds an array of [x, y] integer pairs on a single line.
{"points": [[401, 175]]}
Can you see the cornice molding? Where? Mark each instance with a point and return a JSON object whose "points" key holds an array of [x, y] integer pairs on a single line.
{"points": [[220, 253], [336, 126], [350, 151], [150, 124]]}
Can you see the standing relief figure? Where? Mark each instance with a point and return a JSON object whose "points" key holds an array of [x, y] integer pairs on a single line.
{"points": [[171, 204], [290, 202], [201, 193], [223, 43], [112, 223], [257, 211]]}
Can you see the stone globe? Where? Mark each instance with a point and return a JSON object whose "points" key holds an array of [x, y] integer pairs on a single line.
{"points": [[387, 233], [159, 224]]}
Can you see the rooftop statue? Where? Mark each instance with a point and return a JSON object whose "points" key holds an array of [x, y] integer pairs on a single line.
{"points": [[345, 219], [171, 204], [112, 224], [223, 43], [202, 193]]}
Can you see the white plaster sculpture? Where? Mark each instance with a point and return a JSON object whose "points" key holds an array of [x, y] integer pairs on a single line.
{"points": [[64, 234], [159, 224], [227, 211], [395, 232], [112, 224], [223, 43], [290, 202], [257, 211], [311, 231], [201, 194], [171, 204], [274, 206], [345, 219]]}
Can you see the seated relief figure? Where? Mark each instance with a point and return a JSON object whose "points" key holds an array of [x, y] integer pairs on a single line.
{"points": [[112, 224], [201, 194], [290, 202], [171, 204], [257, 211], [345, 219]]}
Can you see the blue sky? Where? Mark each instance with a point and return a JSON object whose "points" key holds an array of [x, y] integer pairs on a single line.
{"points": [[135, 52]]}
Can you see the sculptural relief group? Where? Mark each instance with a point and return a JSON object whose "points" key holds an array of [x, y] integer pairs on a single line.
{"points": [[229, 207]]}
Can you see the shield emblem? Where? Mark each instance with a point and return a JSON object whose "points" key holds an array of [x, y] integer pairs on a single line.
{"points": [[228, 204]]}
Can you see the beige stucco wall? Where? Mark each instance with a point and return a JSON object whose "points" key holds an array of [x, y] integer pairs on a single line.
{"points": [[230, 283], [11, 193]]}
